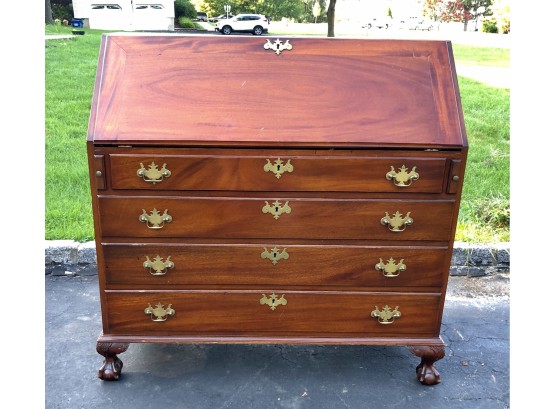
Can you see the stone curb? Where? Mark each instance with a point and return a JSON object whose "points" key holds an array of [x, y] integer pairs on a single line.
{"points": [[472, 260]]}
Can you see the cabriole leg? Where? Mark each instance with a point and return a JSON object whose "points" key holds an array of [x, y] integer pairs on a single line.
{"points": [[426, 372], [111, 368]]}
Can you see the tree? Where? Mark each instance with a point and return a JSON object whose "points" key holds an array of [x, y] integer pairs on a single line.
{"points": [[331, 18], [457, 10], [184, 8], [48, 13], [276, 9]]}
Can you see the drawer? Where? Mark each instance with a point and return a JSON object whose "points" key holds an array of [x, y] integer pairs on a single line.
{"points": [[243, 313], [168, 265], [272, 173], [277, 218]]}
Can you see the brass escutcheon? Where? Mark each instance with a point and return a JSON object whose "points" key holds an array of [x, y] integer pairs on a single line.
{"points": [[274, 255], [276, 209], [152, 174], [278, 46], [159, 314], [155, 220], [278, 168], [273, 301], [396, 223], [385, 316], [390, 269], [158, 267], [402, 178]]}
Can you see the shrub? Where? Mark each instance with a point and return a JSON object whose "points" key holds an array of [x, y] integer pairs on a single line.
{"points": [[185, 22], [490, 26]]}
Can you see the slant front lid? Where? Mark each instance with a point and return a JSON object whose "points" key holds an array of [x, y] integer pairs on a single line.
{"points": [[238, 90]]}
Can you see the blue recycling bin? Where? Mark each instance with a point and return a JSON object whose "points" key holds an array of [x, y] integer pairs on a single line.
{"points": [[77, 22]]}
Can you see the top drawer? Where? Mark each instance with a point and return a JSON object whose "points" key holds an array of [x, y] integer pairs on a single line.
{"points": [[273, 173]]}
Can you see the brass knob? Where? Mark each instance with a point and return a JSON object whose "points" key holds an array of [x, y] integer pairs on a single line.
{"points": [[98, 173], [455, 178]]}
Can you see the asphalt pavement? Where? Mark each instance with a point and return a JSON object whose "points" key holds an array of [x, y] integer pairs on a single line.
{"points": [[474, 371]]}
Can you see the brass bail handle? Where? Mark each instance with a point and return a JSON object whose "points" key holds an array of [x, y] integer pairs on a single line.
{"points": [[402, 178], [391, 268], [157, 266], [153, 174], [155, 220], [386, 315], [159, 313], [397, 223]]}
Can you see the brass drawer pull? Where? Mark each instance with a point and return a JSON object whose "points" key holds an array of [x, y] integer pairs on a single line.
{"points": [[157, 267], [386, 315], [278, 168], [274, 255], [152, 174], [396, 223], [273, 301], [276, 209], [402, 178], [155, 220], [159, 314], [390, 269]]}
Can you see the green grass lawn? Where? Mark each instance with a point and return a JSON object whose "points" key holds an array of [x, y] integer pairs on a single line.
{"points": [[70, 68]]}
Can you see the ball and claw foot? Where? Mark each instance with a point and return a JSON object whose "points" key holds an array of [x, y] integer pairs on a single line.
{"points": [[426, 372], [111, 368]]}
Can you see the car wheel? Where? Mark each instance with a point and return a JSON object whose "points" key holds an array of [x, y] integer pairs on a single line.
{"points": [[258, 30], [226, 30]]}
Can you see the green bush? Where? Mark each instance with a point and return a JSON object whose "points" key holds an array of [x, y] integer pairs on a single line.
{"points": [[185, 22], [490, 26], [184, 8]]}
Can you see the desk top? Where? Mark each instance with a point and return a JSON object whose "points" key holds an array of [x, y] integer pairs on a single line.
{"points": [[203, 90]]}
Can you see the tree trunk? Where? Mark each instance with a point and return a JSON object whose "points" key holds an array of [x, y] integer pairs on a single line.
{"points": [[331, 18], [48, 13]]}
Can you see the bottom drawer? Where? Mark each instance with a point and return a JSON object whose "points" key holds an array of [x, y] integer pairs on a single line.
{"points": [[250, 313]]}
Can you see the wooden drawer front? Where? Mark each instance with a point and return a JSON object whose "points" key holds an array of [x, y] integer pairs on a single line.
{"points": [[337, 174], [241, 313], [298, 265], [225, 217]]}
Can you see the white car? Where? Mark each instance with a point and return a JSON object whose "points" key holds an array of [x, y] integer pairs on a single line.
{"points": [[256, 24]]}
